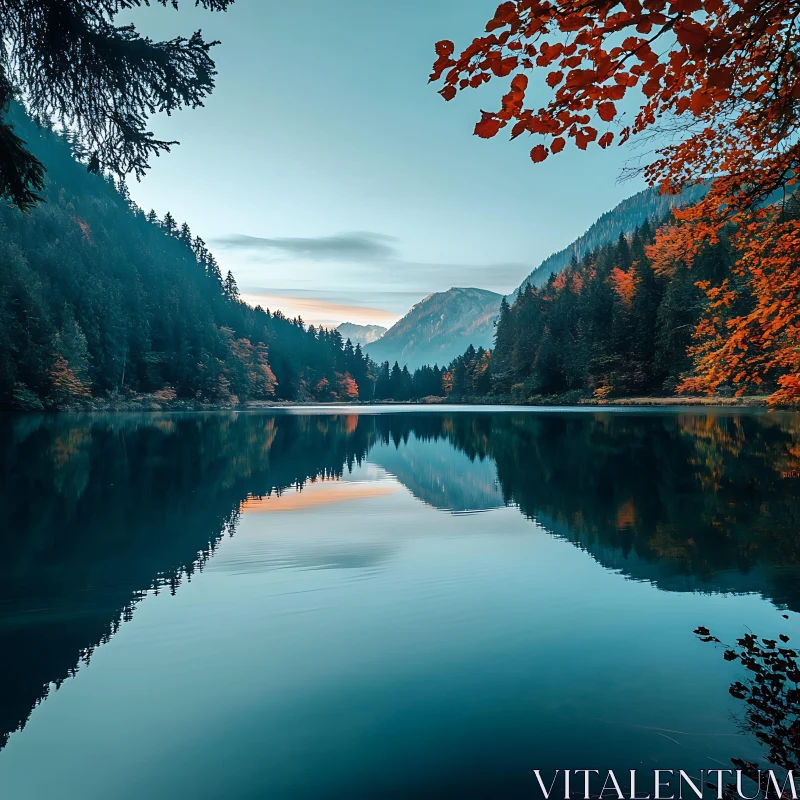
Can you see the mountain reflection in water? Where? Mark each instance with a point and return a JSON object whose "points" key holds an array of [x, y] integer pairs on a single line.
{"points": [[102, 510]]}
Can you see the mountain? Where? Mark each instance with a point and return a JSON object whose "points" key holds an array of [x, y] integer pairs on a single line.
{"points": [[439, 328], [361, 334], [446, 478], [443, 325], [624, 218]]}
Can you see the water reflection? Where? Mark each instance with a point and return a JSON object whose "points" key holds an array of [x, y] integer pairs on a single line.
{"points": [[100, 510]]}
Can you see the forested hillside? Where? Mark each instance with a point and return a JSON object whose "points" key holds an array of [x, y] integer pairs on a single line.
{"points": [[442, 325], [100, 300], [624, 218], [605, 325], [627, 319]]}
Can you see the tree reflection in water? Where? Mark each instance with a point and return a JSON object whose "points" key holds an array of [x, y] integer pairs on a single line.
{"points": [[98, 510]]}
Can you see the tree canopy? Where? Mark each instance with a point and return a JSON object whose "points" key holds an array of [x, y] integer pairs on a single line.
{"points": [[723, 73], [68, 62], [718, 85]]}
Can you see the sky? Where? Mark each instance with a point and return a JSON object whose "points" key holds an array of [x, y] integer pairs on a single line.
{"points": [[335, 183]]}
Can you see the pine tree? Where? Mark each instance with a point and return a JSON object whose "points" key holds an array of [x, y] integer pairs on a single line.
{"points": [[73, 64], [213, 271], [645, 311], [396, 383], [230, 287], [407, 385], [125, 194], [168, 224], [503, 349], [383, 384], [623, 253], [460, 380]]}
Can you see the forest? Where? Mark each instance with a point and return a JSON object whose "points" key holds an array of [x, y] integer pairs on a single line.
{"points": [[609, 325], [100, 300], [621, 322]]}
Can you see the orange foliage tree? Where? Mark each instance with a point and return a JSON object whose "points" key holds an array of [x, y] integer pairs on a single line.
{"points": [[721, 80], [624, 285], [66, 385], [743, 348], [347, 387]]}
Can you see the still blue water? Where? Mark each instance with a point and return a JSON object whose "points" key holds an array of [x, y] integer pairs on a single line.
{"points": [[321, 603]]}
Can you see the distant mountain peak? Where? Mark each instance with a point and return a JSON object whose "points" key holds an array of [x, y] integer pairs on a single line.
{"points": [[361, 334], [439, 327]]}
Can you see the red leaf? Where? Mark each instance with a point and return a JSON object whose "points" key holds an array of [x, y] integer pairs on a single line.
{"points": [[720, 77], [572, 23], [606, 139], [519, 128], [449, 92], [445, 48], [650, 87], [519, 83], [700, 101], [488, 126], [554, 78], [504, 67], [579, 78], [691, 34], [557, 145], [606, 111], [539, 153], [686, 6]]}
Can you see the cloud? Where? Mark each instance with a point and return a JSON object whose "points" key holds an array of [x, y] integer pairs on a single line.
{"points": [[357, 246], [321, 312], [379, 297], [318, 495]]}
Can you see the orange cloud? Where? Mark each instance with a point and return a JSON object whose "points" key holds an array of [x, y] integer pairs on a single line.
{"points": [[321, 312], [315, 495]]}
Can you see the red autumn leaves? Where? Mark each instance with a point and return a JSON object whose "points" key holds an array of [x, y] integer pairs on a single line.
{"points": [[722, 77], [695, 57], [490, 124]]}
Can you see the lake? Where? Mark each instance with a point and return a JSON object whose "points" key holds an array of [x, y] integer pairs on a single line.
{"points": [[382, 602]]}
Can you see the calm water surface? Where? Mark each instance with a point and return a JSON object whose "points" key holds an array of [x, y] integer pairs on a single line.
{"points": [[397, 603]]}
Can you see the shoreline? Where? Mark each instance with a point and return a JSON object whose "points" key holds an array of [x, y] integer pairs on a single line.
{"points": [[145, 404]]}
